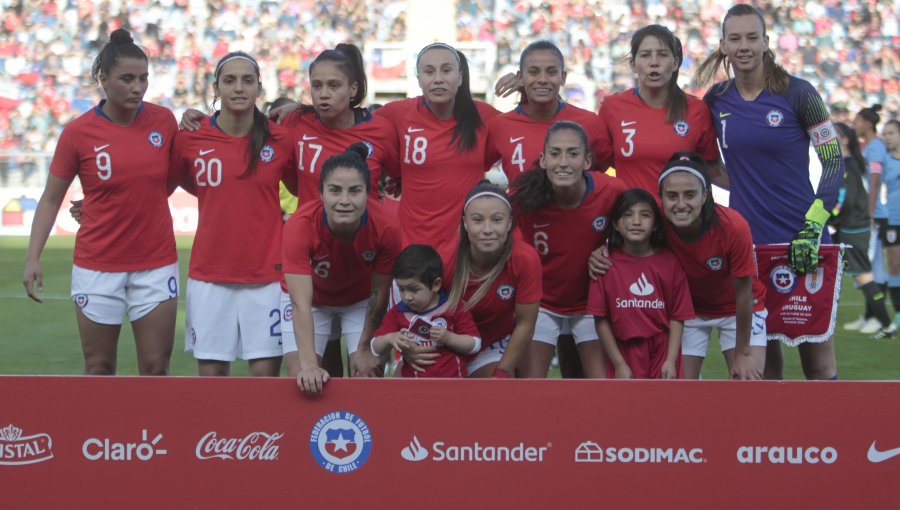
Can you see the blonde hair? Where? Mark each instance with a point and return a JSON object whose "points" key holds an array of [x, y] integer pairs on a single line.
{"points": [[776, 78]]}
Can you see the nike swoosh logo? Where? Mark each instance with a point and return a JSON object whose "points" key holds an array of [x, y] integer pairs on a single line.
{"points": [[205, 152], [878, 456], [514, 140], [414, 130], [100, 148], [628, 123], [541, 226], [723, 114], [309, 137]]}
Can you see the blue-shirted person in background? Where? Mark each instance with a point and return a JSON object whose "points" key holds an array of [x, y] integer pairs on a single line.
{"points": [[766, 119]]}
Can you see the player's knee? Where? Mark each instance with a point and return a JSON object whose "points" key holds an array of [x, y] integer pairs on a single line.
{"points": [[99, 367], [154, 367]]}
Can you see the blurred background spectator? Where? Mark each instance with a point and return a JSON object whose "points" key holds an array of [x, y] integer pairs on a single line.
{"points": [[848, 49]]}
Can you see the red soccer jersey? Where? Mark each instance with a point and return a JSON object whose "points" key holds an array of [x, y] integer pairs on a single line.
{"points": [[341, 273], [640, 295], [517, 140], [435, 178], [565, 238], [518, 283], [239, 231], [724, 252], [124, 172], [459, 321], [640, 141], [315, 142]]}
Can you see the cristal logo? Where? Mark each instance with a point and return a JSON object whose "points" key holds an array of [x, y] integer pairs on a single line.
{"points": [[415, 451], [642, 287], [106, 449], [786, 455], [442, 452], [16, 449], [592, 452], [253, 446]]}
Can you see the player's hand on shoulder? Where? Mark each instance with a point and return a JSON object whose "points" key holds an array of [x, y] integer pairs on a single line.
{"points": [[507, 84], [282, 112], [190, 120], [312, 380], [598, 262]]}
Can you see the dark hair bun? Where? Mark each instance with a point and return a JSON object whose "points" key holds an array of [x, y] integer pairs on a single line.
{"points": [[120, 36], [359, 150], [876, 108]]}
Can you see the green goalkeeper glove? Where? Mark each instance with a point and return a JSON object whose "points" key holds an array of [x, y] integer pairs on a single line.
{"points": [[804, 250]]}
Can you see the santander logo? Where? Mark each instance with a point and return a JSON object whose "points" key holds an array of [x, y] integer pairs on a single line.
{"points": [[642, 287], [253, 446], [415, 451]]}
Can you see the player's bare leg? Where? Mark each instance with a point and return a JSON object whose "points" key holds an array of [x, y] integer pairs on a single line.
{"points": [[569, 362], [690, 366], [535, 362], [593, 359], [485, 372], [758, 353], [213, 368], [99, 343], [818, 360], [774, 361], [154, 336], [265, 367]]}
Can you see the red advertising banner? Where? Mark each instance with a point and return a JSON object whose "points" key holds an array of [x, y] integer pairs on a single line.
{"points": [[82, 442]]}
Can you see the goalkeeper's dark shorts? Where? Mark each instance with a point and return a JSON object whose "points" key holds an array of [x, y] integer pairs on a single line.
{"points": [[857, 253]]}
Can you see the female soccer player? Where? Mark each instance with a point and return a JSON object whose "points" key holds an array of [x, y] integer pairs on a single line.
{"points": [[442, 137], [498, 277], [125, 259], [234, 164], [564, 211], [891, 237], [338, 254], [644, 126], [641, 303], [765, 122], [517, 137], [715, 248]]}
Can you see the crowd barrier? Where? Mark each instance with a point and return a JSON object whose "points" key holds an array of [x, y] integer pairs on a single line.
{"points": [[127, 442]]}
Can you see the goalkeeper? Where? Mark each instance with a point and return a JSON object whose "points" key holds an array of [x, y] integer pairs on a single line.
{"points": [[766, 121]]}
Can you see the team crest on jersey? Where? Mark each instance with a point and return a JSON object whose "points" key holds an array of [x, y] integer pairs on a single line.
{"points": [[890, 235], [440, 322], [369, 146], [368, 256], [81, 300], [782, 279], [775, 118], [266, 154], [815, 280], [599, 223], [155, 139], [340, 442], [714, 263], [681, 128], [505, 292], [288, 313], [193, 338]]}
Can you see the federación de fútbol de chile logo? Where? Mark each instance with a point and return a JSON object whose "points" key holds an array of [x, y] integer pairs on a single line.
{"points": [[340, 442]]}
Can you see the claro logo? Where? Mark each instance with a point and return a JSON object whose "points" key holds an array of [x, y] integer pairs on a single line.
{"points": [[476, 452], [786, 455], [107, 449]]}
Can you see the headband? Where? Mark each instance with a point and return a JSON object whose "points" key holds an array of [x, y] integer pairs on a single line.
{"points": [[438, 45], [238, 55], [687, 169], [487, 194]]}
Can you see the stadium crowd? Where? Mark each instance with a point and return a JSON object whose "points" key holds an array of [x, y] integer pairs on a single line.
{"points": [[848, 50]]}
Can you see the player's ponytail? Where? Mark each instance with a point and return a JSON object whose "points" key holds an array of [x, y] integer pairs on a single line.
{"points": [[468, 120], [120, 45], [533, 190], [354, 157], [463, 266], [676, 107], [870, 115]]}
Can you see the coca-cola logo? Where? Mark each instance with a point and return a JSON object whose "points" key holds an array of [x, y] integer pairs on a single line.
{"points": [[16, 449], [253, 446]]}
